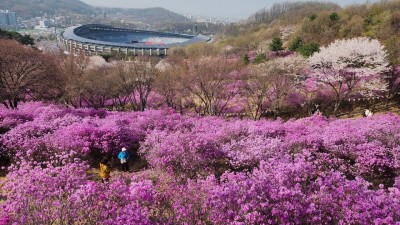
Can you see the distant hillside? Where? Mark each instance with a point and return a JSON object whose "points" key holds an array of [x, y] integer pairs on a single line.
{"points": [[149, 15], [292, 11], [32, 8], [317, 23]]}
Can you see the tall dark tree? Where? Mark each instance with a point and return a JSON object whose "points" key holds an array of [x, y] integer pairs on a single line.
{"points": [[25, 73]]}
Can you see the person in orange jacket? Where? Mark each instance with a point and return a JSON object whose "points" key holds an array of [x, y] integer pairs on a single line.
{"points": [[104, 170]]}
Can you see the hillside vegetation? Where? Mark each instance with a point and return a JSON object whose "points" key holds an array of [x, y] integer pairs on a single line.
{"points": [[148, 15], [33, 8], [318, 22], [23, 39]]}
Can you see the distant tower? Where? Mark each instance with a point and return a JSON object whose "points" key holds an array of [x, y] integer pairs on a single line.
{"points": [[195, 28], [104, 15], [12, 19], [3, 19]]}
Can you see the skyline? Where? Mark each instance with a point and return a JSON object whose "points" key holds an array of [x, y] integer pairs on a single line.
{"points": [[237, 9]]}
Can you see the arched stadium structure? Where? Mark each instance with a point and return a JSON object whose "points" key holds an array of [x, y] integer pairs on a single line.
{"points": [[96, 39]]}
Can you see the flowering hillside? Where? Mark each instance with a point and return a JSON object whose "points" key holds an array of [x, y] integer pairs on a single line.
{"points": [[199, 170]]}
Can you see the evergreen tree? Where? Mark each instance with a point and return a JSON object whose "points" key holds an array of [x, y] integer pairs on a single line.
{"points": [[308, 50], [276, 44], [295, 44], [334, 17], [312, 17], [260, 58]]}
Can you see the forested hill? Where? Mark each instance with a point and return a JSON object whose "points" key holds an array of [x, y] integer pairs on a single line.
{"points": [[291, 11], [318, 23], [148, 15], [33, 8]]}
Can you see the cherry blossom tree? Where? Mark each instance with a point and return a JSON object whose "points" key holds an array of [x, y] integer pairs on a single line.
{"points": [[343, 64]]}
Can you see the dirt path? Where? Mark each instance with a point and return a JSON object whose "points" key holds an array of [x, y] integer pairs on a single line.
{"points": [[378, 108]]}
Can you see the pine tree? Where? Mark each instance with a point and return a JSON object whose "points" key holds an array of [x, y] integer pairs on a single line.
{"points": [[295, 44], [276, 44]]}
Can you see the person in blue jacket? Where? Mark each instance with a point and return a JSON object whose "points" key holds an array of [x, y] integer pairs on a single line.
{"points": [[123, 156]]}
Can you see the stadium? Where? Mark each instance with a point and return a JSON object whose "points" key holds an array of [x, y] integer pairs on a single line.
{"points": [[96, 39]]}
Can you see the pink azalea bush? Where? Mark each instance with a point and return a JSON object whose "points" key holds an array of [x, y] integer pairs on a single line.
{"points": [[201, 170], [58, 191]]}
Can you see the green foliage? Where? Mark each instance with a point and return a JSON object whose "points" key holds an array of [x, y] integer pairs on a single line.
{"points": [[334, 17], [308, 50], [106, 57], [295, 44], [368, 20], [312, 17], [276, 44], [260, 58], [23, 39], [246, 59], [26, 40], [305, 49]]}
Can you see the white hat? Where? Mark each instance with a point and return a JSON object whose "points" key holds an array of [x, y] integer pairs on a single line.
{"points": [[123, 149]]}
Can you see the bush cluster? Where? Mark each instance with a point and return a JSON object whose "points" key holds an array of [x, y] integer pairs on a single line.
{"points": [[201, 170]]}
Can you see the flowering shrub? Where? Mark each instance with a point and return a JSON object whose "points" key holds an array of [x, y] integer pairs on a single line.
{"points": [[344, 64], [202, 170], [38, 193]]}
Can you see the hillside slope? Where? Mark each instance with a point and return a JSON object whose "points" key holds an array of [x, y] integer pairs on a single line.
{"points": [[148, 15], [33, 8], [320, 23]]}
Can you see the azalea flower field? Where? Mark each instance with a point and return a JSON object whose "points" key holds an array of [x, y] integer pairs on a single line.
{"points": [[197, 170]]}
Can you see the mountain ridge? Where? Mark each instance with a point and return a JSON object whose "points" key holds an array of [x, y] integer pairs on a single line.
{"points": [[34, 8]]}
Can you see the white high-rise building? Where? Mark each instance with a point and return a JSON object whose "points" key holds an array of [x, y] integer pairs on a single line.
{"points": [[12, 19], [3, 19], [8, 19]]}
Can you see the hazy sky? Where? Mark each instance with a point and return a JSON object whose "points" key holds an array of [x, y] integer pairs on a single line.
{"points": [[213, 8]]}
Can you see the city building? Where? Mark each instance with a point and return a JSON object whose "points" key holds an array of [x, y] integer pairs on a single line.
{"points": [[12, 19], [3, 19], [43, 24], [8, 19]]}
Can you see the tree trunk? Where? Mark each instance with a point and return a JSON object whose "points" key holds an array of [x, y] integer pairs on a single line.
{"points": [[337, 105], [16, 103], [5, 104]]}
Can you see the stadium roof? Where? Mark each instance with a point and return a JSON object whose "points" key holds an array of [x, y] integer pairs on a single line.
{"points": [[72, 33]]}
